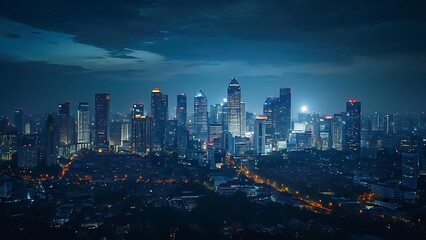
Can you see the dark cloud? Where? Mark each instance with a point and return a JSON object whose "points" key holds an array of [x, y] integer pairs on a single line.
{"points": [[12, 35], [326, 29]]}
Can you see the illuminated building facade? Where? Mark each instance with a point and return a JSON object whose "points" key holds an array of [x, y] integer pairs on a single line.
{"points": [[200, 116], [181, 112], [353, 125], [102, 121], [234, 108]]}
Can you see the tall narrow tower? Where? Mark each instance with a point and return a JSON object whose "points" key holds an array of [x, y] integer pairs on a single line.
{"points": [[234, 108]]}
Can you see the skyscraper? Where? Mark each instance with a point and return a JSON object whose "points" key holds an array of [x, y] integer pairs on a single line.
{"points": [[225, 115], [410, 168], [353, 125], [18, 120], [338, 128], [234, 108], [67, 131], [51, 141], [243, 119], [83, 124], [102, 120], [260, 135], [159, 112], [181, 114], [170, 141], [137, 139], [215, 115], [283, 114], [269, 111], [200, 116]]}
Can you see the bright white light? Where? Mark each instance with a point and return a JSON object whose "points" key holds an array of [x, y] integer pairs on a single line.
{"points": [[304, 109]]}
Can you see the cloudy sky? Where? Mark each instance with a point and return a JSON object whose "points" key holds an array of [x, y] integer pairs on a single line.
{"points": [[326, 51]]}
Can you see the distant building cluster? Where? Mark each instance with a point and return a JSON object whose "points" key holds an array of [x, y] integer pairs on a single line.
{"points": [[211, 133]]}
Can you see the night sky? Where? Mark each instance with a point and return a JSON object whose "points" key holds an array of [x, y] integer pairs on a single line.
{"points": [[326, 51]]}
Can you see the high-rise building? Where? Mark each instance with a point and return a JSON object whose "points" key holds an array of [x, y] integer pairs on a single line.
{"points": [[250, 118], [125, 130], [283, 114], [389, 124], [200, 116], [215, 131], [215, 115], [182, 141], [243, 119], [260, 134], [269, 111], [326, 130], [410, 168], [18, 120], [102, 120], [234, 108], [83, 123], [29, 152], [67, 130], [224, 106], [353, 125], [181, 112], [159, 112], [338, 132], [115, 134], [170, 141], [137, 137], [65, 124], [51, 141]]}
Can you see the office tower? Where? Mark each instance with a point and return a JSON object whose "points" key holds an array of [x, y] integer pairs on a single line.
{"points": [[51, 141], [283, 114], [67, 131], [215, 131], [260, 134], [389, 124], [115, 133], [170, 141], [353, 125], [165, 106], [225, 115], [243, 119], [325, 136], [136, 135], [65, 124], [83, 124], [18, 120], [338, 132], [182, 141], [9, 139], [200, 116], [181, 114], [29, 152], [159, 112], [125, 130], [269, 111], [410, 167], [215, 115], [102, 120], [234, 108], [250, 118]]}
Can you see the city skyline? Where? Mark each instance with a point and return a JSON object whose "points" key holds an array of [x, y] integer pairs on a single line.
{"points": [[213, 119], [339, 51]]}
